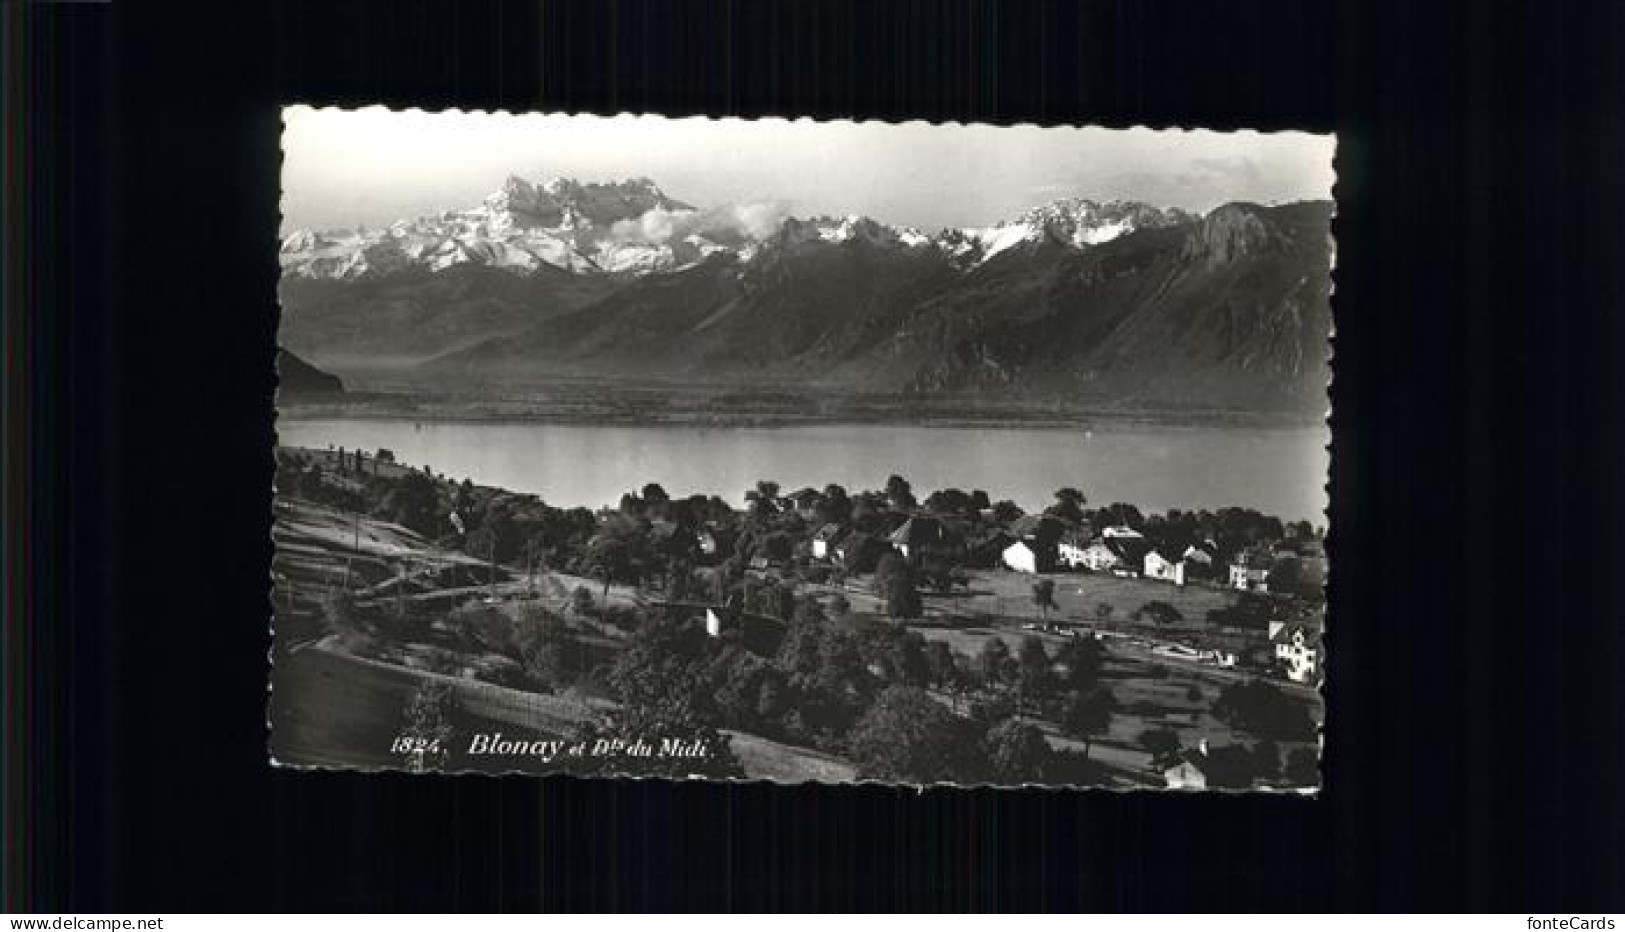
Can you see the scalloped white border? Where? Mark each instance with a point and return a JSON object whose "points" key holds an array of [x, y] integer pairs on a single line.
{"points": [[917, 789]]}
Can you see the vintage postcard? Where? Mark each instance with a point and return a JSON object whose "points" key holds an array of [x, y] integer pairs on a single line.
{"points": [[801, 451]]}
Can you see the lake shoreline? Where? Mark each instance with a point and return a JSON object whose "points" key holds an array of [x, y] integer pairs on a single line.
{"points": [[660, 411], [1278, 471]]}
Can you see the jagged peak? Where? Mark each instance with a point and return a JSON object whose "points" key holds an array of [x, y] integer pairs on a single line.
{"points": [[1231, 231]]}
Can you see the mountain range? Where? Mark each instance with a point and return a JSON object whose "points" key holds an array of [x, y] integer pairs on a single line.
{"points": [[1103, 303]]}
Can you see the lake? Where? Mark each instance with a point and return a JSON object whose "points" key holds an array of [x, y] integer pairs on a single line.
{"points": [[1277, 471]]}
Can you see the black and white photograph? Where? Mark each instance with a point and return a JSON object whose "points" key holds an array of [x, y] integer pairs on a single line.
{"points": [[689, 458], [799, 451]]}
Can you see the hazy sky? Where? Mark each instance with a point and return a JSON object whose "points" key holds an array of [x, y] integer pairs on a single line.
{"points": [[343, 168]]}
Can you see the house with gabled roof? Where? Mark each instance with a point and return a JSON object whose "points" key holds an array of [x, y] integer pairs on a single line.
{"points": [[804, 501], [1250, 571], [1201, 554], [1022, 556], [1071, 549], [922, 535], [1298, 650], [987, 549], [1160, 564], [1188, 770], [824, 539], [1098, 557]]}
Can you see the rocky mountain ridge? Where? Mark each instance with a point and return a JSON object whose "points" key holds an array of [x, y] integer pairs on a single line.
{"points": [[1111, 303], [632, 227]]}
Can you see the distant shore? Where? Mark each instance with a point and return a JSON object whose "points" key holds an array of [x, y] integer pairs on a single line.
{"points": [[664, 406]]}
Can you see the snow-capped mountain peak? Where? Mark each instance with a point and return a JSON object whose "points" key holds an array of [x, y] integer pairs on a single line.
{"points": [[1076, 222], [632, 227]]}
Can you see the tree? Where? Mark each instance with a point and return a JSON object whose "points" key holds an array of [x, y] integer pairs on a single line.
{"points": [[462, 500], [552, 655], [1083, 658], [902, 599], [1006, 511], [899, 655], [631, 506], [1159, 612], [1089, 715], [839, 606], [413, 502], [609, 557], [834, 507], [1122, 514], [1263, 709], [1017, 753], [939, 659], [1162, 744], [1044, 595], [994, 660], [908, 737], [948, 502], [890, 566], [1068, 505], [1251, 610], [1033, 665], [899, 495], [938, 573], [764, 499]]}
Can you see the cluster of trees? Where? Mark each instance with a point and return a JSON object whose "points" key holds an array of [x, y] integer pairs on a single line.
{"points": [[900, 707], [1272, 717], [1261, 708], [654, 540]]}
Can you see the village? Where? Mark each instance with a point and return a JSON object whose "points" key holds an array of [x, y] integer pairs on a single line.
{"points": [[815, 634]]}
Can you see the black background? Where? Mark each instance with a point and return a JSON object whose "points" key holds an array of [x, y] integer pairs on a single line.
{"points": [[1475, 710]]}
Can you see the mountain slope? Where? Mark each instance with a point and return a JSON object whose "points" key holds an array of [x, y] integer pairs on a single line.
{"points": [[1233, 311], [1229, 311], [414, 313], [1117, 304], [799, 305], [297, 377]]}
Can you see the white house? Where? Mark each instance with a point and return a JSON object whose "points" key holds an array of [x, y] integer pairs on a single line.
{"points": [[713, 622], [823, 542], [1190, 772], [1298, 650], [920, 536], [1251, 572], [1099, 557], [1160, 567], [1201, 561], [1071, 550], [1021, 557]]}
